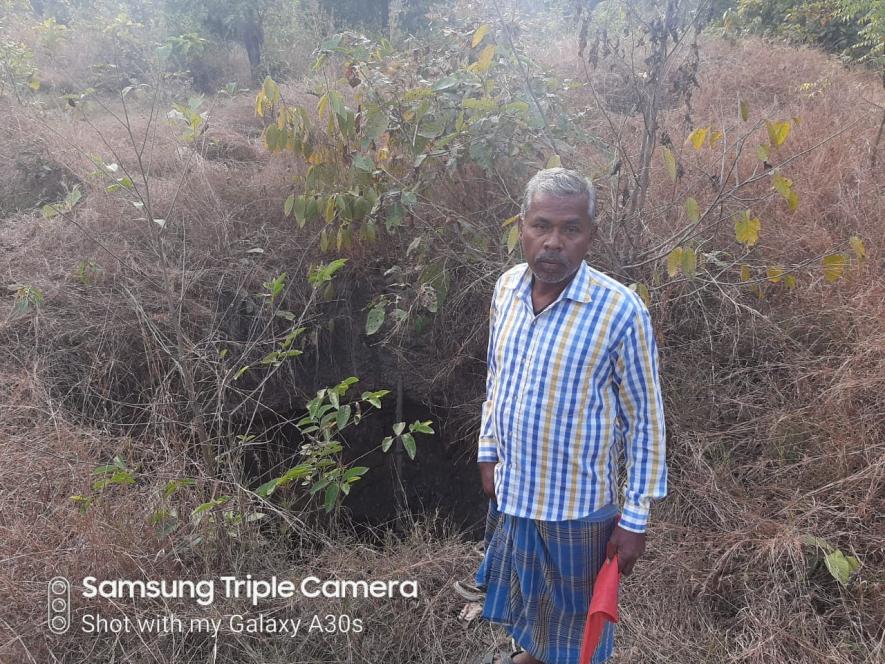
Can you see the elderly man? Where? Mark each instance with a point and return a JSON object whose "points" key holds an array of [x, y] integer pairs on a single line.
{"points": [[572, 381]]}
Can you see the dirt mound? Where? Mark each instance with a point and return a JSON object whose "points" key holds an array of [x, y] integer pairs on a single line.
{"points": [[29, 177]]}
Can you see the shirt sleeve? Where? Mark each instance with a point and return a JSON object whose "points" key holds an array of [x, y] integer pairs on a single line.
{"points": [[488, 446], [641, 409]]}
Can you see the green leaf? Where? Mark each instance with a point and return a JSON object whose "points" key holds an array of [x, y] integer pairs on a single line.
{"points": [[484, 105], [857, 247], [374, 398], [834, 266], [324, 273], [82, 502], [352, 474], [375, 319], [674, 262], [287, 206], [293, 335], [294, 473], [823, 545], [689, 261], [778, 132], [697, 137], [375, 124], [512, 239], [774, 273], [744, 109], [692, 210], [364, 163], [343, 417], [299, 208], [669, 162], [330, 497], [398, 428], [841, 567], [478, 35], [395, 216], [520, 107], [174, 485], [409, 444], [421, 427], [782, 185], [370, 232], [484, 61], [386, 443], [270, 358], [409, 198], [266, 489], [555, 161], [205, 507], [510, 220], [762, 152], [746, 229], [346, 384], [447, 83]]}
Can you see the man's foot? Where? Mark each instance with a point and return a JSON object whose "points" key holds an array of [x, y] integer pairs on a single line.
{"points": [[469, 591], [525, 658]]}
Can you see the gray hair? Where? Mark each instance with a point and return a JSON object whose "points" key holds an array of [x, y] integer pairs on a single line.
{"points": [[559, 182]]}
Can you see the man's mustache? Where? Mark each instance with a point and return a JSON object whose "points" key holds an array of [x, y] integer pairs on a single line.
{"points": [[549, 258]]}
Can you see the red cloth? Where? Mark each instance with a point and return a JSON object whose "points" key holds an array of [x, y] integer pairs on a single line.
{"points": [[603, 606]]}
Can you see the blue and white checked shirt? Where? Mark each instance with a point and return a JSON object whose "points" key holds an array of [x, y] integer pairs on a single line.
{"points": [[566, 391]]}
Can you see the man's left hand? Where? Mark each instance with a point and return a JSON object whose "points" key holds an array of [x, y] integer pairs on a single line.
{"points": [[628, 546]]}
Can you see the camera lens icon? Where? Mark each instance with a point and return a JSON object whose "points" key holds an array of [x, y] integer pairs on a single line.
{"points": [[58, 605]]}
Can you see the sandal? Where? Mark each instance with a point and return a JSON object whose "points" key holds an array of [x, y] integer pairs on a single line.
{"points": [[469, 591]]}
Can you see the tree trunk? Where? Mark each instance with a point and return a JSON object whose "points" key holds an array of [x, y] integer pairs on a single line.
{"points": [[253, 38]]}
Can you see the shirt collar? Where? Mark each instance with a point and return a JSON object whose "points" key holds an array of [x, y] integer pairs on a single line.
{"points": [[578, 289]]}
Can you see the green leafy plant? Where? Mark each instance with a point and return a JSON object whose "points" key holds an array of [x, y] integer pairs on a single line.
{"points": [[407, 438], [190, 116], [320, 470], [115, 473], [52, 210], [27, 298], [842, 568], [18, 73]]}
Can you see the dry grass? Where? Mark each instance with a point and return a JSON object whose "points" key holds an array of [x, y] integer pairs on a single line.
{"points": [[775, 405]]}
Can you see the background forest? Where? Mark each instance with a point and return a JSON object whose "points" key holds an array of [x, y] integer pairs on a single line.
{"points": [[249, 248]]}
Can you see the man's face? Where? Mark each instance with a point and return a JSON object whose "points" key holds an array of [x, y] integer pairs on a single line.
{"points": [[555, 235]]}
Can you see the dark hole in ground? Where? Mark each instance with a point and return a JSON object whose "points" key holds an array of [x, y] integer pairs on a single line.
{"points": [[441, 484]]}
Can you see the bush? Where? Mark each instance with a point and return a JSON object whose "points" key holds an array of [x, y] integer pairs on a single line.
{"points": [[853, 28]]}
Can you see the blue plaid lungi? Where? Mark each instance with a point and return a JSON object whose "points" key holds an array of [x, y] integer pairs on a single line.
{"points": [[538, 577]]}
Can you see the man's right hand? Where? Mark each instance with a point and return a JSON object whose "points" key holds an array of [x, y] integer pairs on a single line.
{"points": [[487, 474]]}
